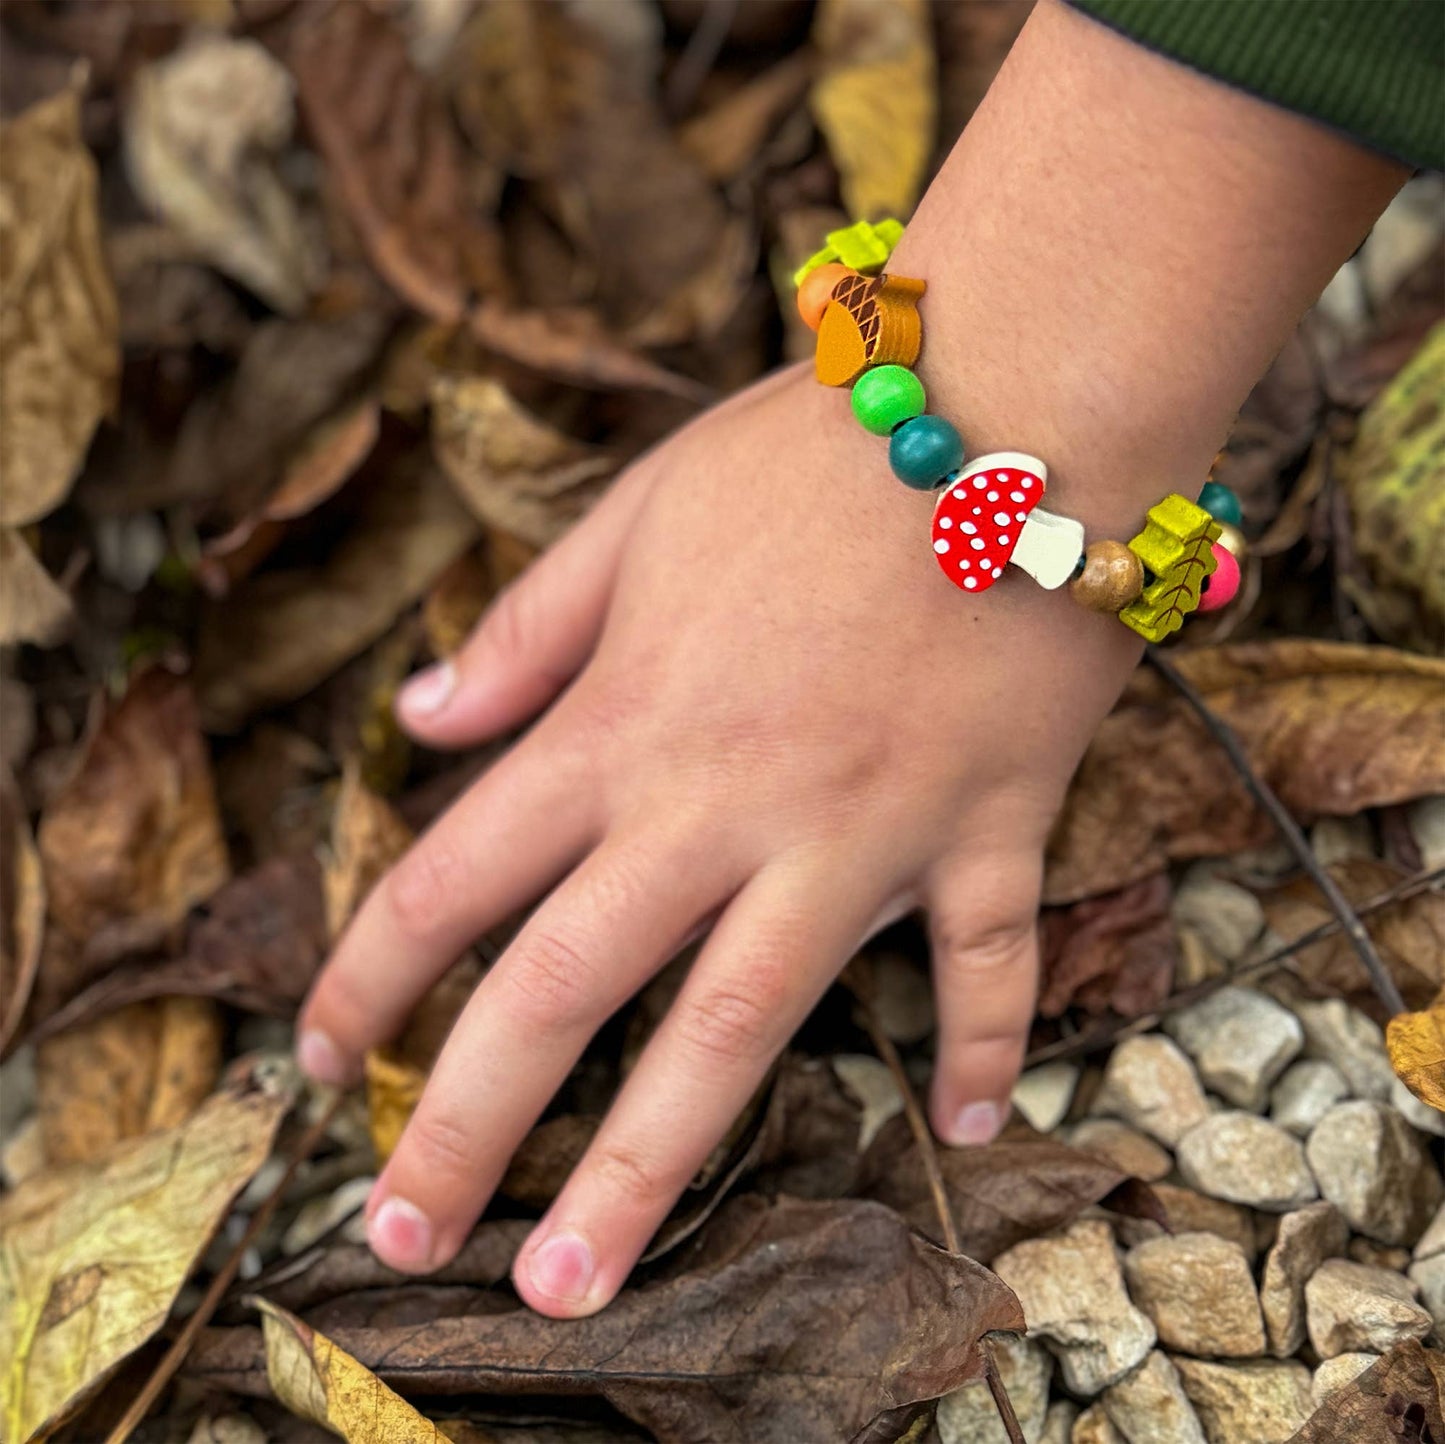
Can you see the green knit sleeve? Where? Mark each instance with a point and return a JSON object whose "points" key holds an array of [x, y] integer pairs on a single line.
{"points": [[1374, 69]]}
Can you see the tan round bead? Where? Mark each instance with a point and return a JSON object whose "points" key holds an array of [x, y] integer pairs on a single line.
{"points": [[1232, 540], [1112, 577]]}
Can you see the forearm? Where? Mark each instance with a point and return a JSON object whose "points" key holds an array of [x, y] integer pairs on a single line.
{"points": [[1115, 250]]}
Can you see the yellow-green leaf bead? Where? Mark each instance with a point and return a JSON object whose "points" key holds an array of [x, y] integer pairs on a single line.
{"points": [[885, 397]]}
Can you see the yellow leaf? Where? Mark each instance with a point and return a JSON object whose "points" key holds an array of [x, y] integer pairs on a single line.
{"points": [[22, 907], [393, 1089], [128, 1073], [318, 1381], [59, 361], [367, 836], [92, 1255], [1417, 1052], [876, 100], [1395, 480]]}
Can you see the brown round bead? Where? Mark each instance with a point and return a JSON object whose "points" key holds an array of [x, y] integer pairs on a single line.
{"points": [[1112, 577], [1232, 540]]}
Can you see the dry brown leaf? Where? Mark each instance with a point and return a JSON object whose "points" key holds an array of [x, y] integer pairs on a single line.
{"points": [[1333, 728], [513, 471], [572, 345], [728, 138], [455, 605], [203, 130], [1395, 480], [318, 1381], [1114, 953], [33, 606], [391, 151], [22, 908], [95, 1253], [367, 836], [282, 632], [145, 1067], [59, 362], [1417, 1052], [1399, 1399], [721, 1343], [1409, 934], [133, 841], [326, 457], [875, 100]]}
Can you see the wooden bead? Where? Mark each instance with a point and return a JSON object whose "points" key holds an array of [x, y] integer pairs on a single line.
{"points": [[1232, 540], [884, 397], [925, 450], [817, 290], [1220, 502], [871, 321], [1112, 577], [1177, 546]]}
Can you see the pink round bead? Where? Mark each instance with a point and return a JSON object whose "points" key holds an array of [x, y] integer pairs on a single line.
{"points": [[1223, 583]]}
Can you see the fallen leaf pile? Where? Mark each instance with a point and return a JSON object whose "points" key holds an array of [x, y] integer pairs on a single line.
{"points": [[318, 321]]}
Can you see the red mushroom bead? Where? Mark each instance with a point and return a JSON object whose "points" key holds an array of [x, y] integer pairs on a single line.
{"points": [[979, 517]]}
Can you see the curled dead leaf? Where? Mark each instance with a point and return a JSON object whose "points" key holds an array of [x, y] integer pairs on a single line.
{"points": [[876, 101], [367, 836], [1417, 1052], [95, 1253], [1333, 728], [129, 1073], [393, 1089], [59, 361], [33, 606], [514, 472], [320, 1382], [282, 632], [456, 603], [203, 130], [133, 841], [1399, 1398], [1394, 477], [22, 908]]}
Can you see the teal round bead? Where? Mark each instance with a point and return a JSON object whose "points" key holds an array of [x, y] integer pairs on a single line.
{"points": [[1220, 503], [924, 450], [885, 397]]}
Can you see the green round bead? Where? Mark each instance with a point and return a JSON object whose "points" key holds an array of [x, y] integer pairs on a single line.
{"points": [[1220, 502], [923, 451], [885, 397]]}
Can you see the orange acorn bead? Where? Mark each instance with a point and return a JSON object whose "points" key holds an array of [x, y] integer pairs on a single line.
{"points": [[817, 290]]}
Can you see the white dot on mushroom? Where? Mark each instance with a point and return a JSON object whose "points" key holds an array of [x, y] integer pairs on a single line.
{"points": [[941, 545], [947, 521], [993, 496], [970, 582], [1003, 539], [1000, 518], [977, 543], [1015, 496], [967, 528]]}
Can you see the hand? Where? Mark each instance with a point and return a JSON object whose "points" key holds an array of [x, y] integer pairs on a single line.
{"points": [[773, 717]]}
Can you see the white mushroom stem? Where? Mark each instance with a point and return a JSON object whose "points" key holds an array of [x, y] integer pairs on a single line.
{"points": [[1049, 547]]}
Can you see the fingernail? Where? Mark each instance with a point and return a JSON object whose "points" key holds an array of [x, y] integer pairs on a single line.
{"points": [[320, 1058], [561, 1267], [429, 691], [400, 1234], [977, 1123]]}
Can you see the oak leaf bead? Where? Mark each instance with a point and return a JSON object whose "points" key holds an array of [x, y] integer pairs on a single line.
{"points": [[1112, 577]]}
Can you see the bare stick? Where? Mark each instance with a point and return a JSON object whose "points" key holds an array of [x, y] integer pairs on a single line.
{"points": [[1106, 1036], [1223, 733], [175, 1356], [1001, 1400]]}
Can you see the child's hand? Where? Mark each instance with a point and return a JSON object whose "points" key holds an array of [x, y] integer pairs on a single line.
{"points": [[776, 719]]}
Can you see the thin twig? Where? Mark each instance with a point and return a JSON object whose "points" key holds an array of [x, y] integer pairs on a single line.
{"points": [[175, 1356], [1223, 733], [1001, 1400], [699, 55], [1096, 1039], [859, 980]]}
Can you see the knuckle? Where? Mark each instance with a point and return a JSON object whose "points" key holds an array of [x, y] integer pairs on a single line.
{"points": [[631, 1174], [728, 1024], [439, 1143], [985, 957], [552, 980], [424, 886]]}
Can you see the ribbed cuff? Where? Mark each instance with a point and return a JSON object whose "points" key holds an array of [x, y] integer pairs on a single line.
{"points": [[1374, 69]]}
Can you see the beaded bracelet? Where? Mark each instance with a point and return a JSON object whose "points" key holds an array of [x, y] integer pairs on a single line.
{"points": [[870, 334]]}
